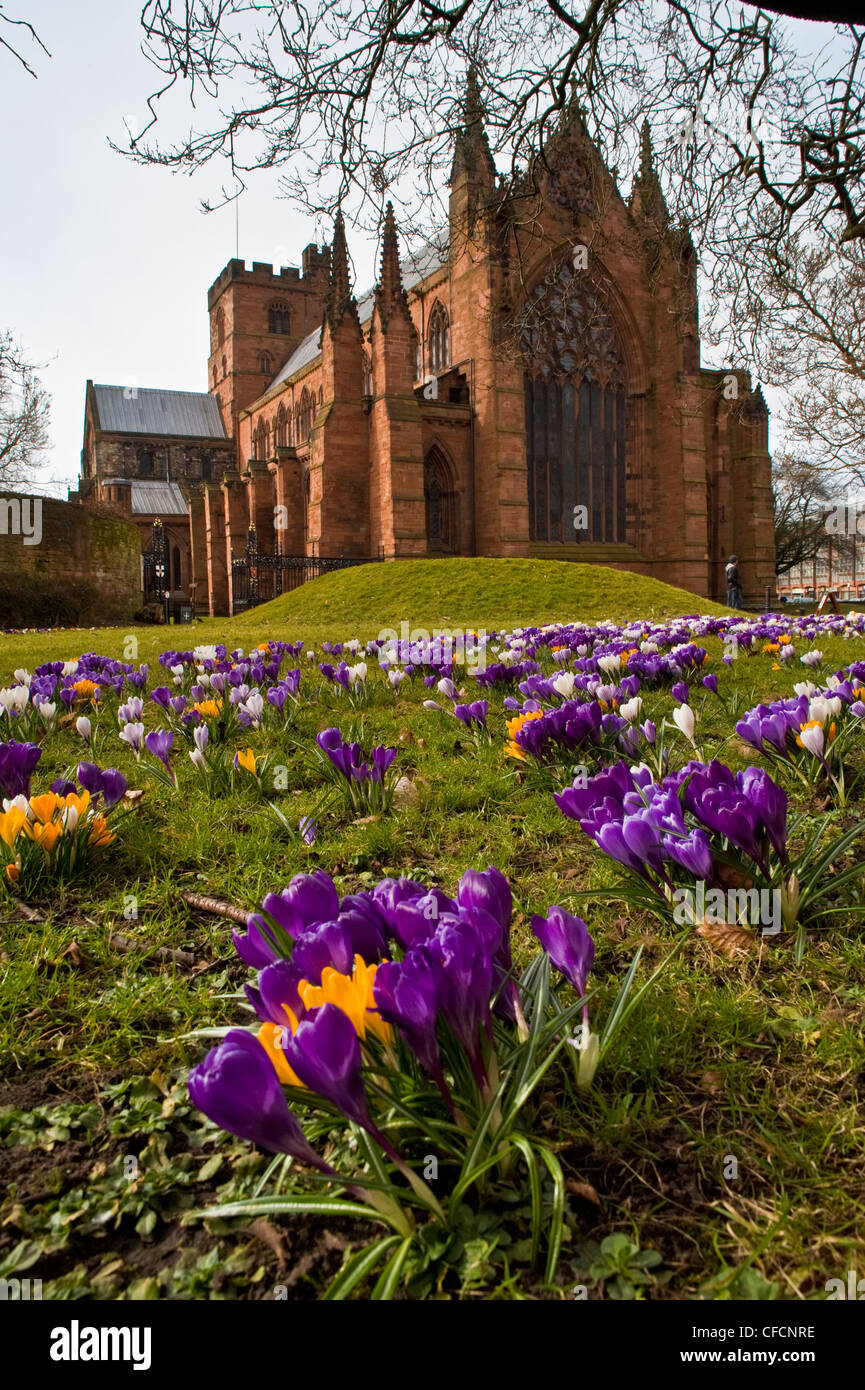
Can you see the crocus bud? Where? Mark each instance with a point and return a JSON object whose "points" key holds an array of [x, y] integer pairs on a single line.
{"points": [[683, 717], [82, 725], [790, 900]]}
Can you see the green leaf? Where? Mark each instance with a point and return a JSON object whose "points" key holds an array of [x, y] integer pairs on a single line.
{"points": [[520, 1142], [356, 1268], [389, 1279], [557, 1220]]}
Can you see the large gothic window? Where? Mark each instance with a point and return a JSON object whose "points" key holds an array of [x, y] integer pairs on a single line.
{"points": [[442, 520], [281, 434], [575, 410]]}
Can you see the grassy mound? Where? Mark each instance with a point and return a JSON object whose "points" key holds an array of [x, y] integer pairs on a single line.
{"points": [[467, 593]]}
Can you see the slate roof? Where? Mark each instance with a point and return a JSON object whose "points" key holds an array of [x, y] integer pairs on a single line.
{"points": [[129, 410], [415, 267], [158, 499]]}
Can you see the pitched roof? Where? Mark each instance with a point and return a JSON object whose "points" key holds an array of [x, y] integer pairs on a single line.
{"points": [[416, 266], [158, 499], [136, 410]]}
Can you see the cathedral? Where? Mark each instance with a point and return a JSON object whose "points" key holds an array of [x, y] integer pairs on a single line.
{"points": [[527, 384]]}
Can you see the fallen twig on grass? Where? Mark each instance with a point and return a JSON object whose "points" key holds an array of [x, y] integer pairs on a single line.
{"points": [[215, 907]]}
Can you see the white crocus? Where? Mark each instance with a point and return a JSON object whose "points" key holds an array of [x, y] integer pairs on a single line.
{"points": [[631, 709], [84, 728], [812, 739], [47, 712], [69, 668], [805, 688], [254, 707], [22, 676], [683, 718], [563, 684], [357, 674]]}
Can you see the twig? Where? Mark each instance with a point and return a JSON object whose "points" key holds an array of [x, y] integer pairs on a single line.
{"points": [[214, 906], [163, 953]]}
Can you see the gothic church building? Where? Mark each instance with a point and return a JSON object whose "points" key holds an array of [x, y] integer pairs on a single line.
{"points": [[527, 385]]}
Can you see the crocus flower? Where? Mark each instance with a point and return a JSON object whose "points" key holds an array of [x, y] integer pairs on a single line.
{"points": [[110, 784], [325, 1054], [17, 764], [133, 734], [158, 743], [237, 1087], [83, 727], [566, 940]]}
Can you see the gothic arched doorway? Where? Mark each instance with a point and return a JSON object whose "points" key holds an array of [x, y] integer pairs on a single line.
{"points": [[575, 411], [440, 501]]}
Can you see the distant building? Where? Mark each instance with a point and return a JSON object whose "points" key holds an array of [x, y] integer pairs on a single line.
{"points": [[839, 568], [527, 384], [145, 454]]}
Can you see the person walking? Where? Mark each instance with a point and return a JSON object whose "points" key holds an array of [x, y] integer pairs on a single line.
{"points": [[734, 584]]}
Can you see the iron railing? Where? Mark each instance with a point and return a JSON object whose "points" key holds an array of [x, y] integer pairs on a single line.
{"points": [[257, 578]]}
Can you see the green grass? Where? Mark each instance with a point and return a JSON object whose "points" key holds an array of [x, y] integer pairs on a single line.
{"points": [[760, 1060], [469, 593]]}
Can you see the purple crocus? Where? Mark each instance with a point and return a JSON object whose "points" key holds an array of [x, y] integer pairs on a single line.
{"points": [[568, 944], [158, 743], [17, 765], [325, 1054], [110, 784], [236, 1087]]}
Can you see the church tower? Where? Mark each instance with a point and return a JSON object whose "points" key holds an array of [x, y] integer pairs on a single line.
{"points": [[257, 319]]}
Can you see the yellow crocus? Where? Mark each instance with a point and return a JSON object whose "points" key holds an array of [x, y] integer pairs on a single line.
{"points": [[11, 822], [246, 759], [208, 709], [351, 993], [86, 689], [44, 835], [100, 835], [270, 1035], [46, 806]]}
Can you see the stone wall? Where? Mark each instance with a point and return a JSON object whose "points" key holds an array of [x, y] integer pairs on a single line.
{"points": [[61, 565]]}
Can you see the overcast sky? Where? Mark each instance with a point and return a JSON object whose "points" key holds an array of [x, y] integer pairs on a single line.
{"points": [[105, 264]]}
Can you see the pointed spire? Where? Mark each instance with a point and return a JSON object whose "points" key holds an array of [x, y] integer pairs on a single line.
{"points": [[647, 197], [339, 297], [647, 168], [389, 288], [472, 148]]}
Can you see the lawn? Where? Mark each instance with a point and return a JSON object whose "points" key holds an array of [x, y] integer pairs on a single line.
{"points": [[717, 1151]]}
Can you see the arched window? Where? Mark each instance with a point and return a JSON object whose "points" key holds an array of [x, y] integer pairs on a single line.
{"points": [[266, 365], [575, 413], [439, 338], [224, 365], [220, 327], [280, 430], [278, 319], [305, 416], [320, 395], [145, 463], [367, 375], [175, 565], [441, 503], [214, 373]]}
